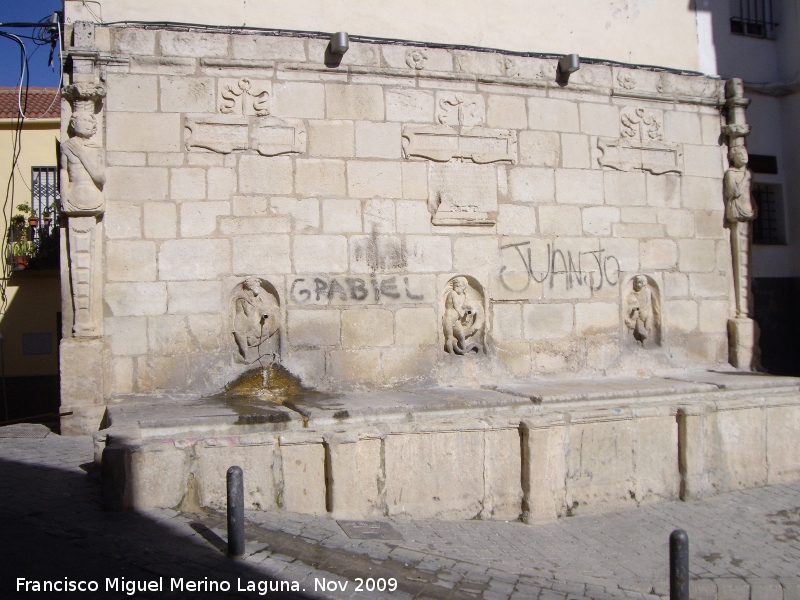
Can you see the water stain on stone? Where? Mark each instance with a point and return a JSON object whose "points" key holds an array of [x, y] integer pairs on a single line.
{"points": [[261, 396]]}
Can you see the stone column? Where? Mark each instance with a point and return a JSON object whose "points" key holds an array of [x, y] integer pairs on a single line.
{"points": [[82, 206], [692, 453], [543, 469], [739, 212]]}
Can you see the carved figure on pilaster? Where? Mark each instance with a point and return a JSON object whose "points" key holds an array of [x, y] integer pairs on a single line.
{"points": [[739, 212], [82, 158], [464, 318], [255, 322], [82, 202]]}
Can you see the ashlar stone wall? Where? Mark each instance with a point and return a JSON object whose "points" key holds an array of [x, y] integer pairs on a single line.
{"points": [[411, 214]]}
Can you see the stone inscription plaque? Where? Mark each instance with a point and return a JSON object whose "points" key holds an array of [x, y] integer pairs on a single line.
{"points": [[269, 136], [656, 157], [443, 143], [462, 194]]}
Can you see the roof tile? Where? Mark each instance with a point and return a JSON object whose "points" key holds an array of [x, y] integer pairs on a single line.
{"points": [[38, 101]]}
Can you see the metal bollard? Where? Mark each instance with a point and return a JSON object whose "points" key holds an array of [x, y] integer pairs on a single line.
{"points": [[235, 480], [678, 565]]}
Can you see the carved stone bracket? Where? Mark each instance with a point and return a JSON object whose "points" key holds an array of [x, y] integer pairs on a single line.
{"points": [[443, 143], [629, 154], [269, 136]]}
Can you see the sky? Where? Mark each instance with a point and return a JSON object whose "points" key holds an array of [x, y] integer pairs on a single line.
{"points": [[28, 11]]}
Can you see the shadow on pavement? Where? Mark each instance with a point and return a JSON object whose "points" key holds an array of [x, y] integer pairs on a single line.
{"points": [[52, 529]]}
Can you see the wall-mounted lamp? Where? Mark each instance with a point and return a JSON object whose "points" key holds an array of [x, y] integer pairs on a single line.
{"points": [[340, 42], [567, 65]]}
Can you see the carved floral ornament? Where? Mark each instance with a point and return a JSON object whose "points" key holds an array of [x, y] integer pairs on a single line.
{"points": [[647, 83], [641, 144], [243, 98], [460, 109], [416, 58]]}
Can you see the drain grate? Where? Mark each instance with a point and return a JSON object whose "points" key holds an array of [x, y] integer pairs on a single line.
{"points": [[369, 530], [24, 430]]}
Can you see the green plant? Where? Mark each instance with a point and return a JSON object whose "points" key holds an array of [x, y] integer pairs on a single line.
{"points": [[22, 248], [48, 209], [25, 209], [18, 220]]}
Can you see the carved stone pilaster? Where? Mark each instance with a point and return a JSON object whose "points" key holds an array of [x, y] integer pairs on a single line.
{"points": [[82, 205], [740, 210], [82, 180]]}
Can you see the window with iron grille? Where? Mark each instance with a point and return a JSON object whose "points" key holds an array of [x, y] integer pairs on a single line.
{"points": [[768, 226], [755, 18], [44, 190]]}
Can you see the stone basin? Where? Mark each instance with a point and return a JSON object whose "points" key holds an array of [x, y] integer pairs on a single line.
{"points": [[537, 449]]}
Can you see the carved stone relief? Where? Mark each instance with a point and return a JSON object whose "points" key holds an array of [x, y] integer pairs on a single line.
{"points": [[416, 58], [82, 157], [642, 316], [739, 212], [640, 145], [626, 79], [462, 194], [655, 157], [83, 203], [244, 97], [269, 136], [511, 67], [641, 124], [443, 143], [463, 317], [255, 322], [460, 109], [739, 207], [643, 83]]}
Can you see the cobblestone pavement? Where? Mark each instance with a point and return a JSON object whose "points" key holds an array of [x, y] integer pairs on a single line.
{"points": [[743, 545]]}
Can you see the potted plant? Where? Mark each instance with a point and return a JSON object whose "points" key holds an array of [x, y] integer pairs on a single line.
{"points": [[47, 215], [33, 218], [18, 228], [21, 252]]}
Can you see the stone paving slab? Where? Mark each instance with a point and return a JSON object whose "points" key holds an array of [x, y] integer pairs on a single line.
{"points": [[742, 545]]}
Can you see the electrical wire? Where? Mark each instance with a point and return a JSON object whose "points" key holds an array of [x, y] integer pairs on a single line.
{"points": [[50, 41], [16, 151]]}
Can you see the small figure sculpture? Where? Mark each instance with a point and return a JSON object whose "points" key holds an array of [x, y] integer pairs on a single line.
{"points": [[642, 312], [82, 168], [463, 320], [739, 205], [256, 319], [739, 211]]}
